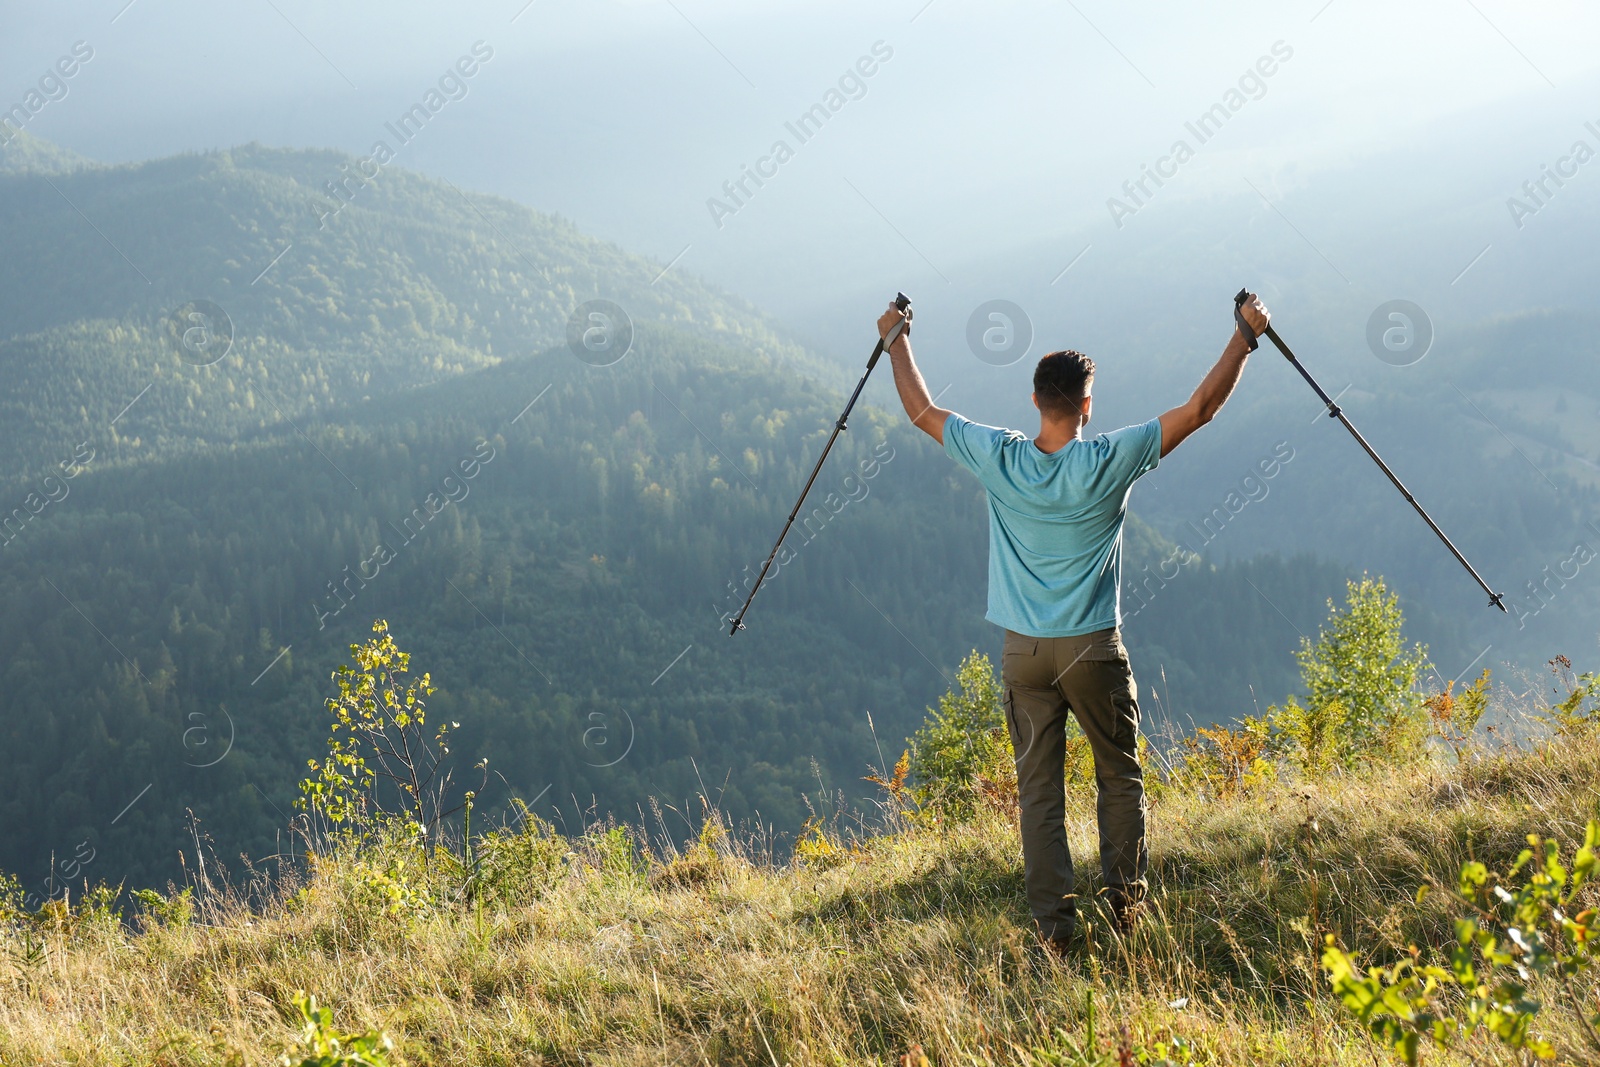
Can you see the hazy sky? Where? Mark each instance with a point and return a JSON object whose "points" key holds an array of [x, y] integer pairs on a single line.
{"points": [[993, 127]]}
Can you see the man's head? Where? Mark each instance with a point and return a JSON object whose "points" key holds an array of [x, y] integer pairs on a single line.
{"points": [[1061, 384]]}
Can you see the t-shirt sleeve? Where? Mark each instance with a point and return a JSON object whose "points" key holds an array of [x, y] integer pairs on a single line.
{"points": [[1134, 450], [972, 444]]}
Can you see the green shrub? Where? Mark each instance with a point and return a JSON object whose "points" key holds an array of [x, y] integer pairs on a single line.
{"points": [[705, 859], [13, 900], [1222, 761], [1455, 716], [96, 913], [617, 857], [963, 739], [517, 867], [174, 910], [1311, 738], [391, 886], [819, 849], [378, 877], [379, 739], [1362, 702], [325, 1046], [1579, 711]]}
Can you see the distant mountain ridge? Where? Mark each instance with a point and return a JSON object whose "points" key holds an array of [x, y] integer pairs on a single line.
{"points": [[22, 151]]}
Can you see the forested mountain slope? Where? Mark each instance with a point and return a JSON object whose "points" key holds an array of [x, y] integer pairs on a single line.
{"points": [[394, 427]]}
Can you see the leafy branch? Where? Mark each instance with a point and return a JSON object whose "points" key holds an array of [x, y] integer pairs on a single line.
{"points": [[1514, 931]]}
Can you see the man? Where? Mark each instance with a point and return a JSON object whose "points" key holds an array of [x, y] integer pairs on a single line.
{"points": [[1056, 510]]}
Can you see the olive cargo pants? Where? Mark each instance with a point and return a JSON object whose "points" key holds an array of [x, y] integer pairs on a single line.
{"points": [[1044, 679]]}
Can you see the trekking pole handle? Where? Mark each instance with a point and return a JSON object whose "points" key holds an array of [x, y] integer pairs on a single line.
{"points": [[903, 302], [1249, 334]]}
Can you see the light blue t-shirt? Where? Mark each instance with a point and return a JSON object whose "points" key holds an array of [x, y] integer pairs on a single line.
{"points": [[1055, 522]]}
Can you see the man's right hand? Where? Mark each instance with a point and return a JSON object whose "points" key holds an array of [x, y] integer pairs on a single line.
{"points": [[1213, 392], [1256, 314], [924, 414]]}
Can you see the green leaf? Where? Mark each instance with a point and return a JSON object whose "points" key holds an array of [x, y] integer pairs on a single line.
{"points": [[1473, 876]]}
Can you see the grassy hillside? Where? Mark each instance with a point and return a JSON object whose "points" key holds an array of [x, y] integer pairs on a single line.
{"points": [[616, 947]]}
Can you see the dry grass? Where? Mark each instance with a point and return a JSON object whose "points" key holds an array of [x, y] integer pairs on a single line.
{"points": [[916, 937]]}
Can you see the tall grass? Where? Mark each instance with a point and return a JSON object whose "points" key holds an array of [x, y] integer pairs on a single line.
{"points": [[898, 940], [610, 948]]}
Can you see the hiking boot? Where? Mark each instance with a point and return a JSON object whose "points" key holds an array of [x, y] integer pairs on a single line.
{"points": [[1058, 943], [1127, 907]]}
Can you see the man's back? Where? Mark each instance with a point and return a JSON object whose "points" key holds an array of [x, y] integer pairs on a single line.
{"points": [[1055, 522]]}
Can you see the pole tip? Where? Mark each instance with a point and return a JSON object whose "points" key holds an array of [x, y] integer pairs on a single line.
{"points": [[1497, 600]]}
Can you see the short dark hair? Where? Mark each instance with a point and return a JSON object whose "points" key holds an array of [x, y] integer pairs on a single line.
{"points": [[1061, 381]]}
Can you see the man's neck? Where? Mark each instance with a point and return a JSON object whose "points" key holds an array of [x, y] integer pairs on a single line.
{"points": [[1054, 436]]}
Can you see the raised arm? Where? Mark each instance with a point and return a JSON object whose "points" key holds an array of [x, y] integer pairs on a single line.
{"points": [[908, 380], [1203, 405]]}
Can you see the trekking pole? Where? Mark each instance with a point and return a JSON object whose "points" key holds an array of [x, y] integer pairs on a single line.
{"points": [[901, 301], [1496, 600]]}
